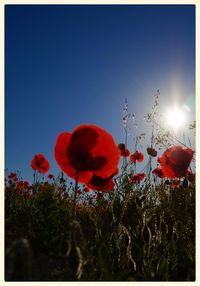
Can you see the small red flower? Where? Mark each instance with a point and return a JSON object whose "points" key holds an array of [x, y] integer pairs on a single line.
{"points": [[152, 152], [26, 184], [40, 163], [89, 151], [124, 152], [175, 184], [50, 176], [137, 177], [13, 176], [158, 172], [175, 161], [190, 176], [65, 194], [79, 207], [137, 156], [20, 185], [86, 190]]}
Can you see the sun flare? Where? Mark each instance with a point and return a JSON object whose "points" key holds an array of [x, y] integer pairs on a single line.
{"points": [[175, 118]]}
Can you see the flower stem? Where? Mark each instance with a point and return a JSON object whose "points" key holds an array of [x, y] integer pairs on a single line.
{"points": [[75, 195]]}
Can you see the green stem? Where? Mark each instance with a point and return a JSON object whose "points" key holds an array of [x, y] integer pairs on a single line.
{"points": [[75, 195]]}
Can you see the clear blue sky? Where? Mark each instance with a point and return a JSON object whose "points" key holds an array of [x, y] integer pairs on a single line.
{"points": [[67, 65]]}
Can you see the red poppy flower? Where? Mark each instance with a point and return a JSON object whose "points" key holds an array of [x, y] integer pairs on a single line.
{"points": [[40, 163], [86, 190], [152, 152], [124, 152], [175, 161], [88, 150], [190, 176], [158, 172], [137, 156], [65, 194], [22, 185], [13, 176], [50, 176], [175, 184], [137, 177], [26, 184]]}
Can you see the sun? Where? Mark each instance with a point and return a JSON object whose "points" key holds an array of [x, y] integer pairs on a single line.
{"points": [[175, 118]]}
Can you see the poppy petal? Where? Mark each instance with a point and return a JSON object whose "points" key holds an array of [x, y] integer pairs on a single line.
{"points": [[60, 151]]}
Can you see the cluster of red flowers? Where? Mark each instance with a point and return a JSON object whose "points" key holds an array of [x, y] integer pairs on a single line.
{"points": [[90, 156], [137, 177]]}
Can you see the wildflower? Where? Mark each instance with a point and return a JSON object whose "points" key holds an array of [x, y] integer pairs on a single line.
{"points": [[65, 194], [137, 177], [25, 184], [190, 176], [175, 184], [152, 152], [50, 176], [79, 192], [13, 176], [40, 163], [78, 207], [175, 161], [89, 152], [158, 172], [22, 185], [137, 156], [124, 152], [86, 189]]}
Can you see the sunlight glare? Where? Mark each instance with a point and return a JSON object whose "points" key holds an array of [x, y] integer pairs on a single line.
{"points": [[175, 118]]}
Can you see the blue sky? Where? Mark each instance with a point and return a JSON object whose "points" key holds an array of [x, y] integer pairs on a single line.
{"points": [[67, 65]]}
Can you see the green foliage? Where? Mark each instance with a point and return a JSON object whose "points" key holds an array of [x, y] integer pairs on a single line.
{"points": [[144, 235]]}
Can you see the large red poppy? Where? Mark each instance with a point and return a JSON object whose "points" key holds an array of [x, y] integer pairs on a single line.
{"points": [[40, 163], [87, 151], [137, 156], [175, 161]]}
